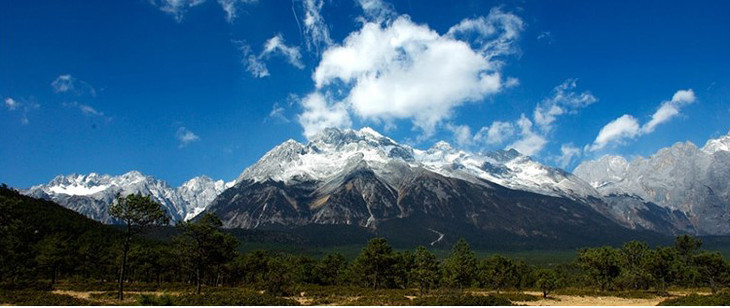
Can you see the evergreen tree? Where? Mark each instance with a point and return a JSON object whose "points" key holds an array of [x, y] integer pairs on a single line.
{"points": [[377, 264], [634, 257], [135, 211], [206, 245], [425, 272], [547, 280], [713, 269], [665, 266], [498, 273], [601, 264], [460, 267], [330, 269]]}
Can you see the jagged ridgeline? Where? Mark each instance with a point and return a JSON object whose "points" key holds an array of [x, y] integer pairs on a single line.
{"points": [[369, 184]]}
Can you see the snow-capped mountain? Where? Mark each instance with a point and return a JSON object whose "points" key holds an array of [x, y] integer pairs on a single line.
{"points": [[332, 150], [683, 178], [92, 194], [363, 178]]}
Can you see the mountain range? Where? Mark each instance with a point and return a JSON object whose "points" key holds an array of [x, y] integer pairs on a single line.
{"points": [[362, 178]]}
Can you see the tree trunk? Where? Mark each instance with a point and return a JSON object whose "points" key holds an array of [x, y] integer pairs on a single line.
{"points": [[197, 279], [53, 276], [125, 249]]}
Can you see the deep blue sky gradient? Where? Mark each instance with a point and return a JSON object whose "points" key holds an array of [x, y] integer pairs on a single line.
{"points": [[154, 74]]}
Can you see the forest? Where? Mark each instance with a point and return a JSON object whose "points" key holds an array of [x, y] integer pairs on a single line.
{"points": [[51, 251]]}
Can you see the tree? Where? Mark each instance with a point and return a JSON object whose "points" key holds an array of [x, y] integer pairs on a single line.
{"points": [[205, 244], [55, 252], [135, 211], [330, 269], [713, 269], [279, 280], [425, 271], [498, 273], [460, 267], [601, 264], [377, 264], [665, 266], [687, 247], [634, 257], [547, 281]]}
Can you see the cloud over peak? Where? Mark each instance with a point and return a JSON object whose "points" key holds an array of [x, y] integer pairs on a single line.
{"points": [[397, 69]]}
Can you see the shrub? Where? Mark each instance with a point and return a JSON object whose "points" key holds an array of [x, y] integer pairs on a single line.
{"points": [[153, 300], [39, 298], [462, 300], [719, 299], [246, 298]]}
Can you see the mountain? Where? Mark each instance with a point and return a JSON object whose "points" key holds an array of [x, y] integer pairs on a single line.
{"points": [[681, 179], [361, 178], [92, 194]]}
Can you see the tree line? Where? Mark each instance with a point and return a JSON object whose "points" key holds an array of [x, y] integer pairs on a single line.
{"points": [[65, 246]]}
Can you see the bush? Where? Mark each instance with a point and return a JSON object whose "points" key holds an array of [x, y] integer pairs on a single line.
{"points": [[519, 297], [153, 300], [39, 298], [462, 300], [719, 299], [246, 298]]}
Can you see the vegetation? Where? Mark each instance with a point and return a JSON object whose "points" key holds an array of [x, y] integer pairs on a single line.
{"points": [[44, 247], [718, 299]]}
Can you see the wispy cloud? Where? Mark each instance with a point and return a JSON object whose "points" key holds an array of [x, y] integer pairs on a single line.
{"points": [[178, 8], [315, 31], [627, 127], [276, 45], [185, 136], [22, 107], [70, 84], [563, 101], [87, 110]]}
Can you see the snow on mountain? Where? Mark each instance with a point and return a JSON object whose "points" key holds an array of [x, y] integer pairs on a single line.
{"points": [[92, 194], [332, 150], [681, 177]]}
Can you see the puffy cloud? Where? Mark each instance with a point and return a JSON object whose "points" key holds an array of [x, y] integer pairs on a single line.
{"points": [[315, 31], [276, 45], [627, 127], [563, 101], [497, 133], [67, 83], [185, 136], [567, 153], [402, 70], [669, 109], [530, 142], [178, 8], [318, 114]]}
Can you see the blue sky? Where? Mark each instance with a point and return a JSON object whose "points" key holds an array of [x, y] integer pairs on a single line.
{"points": [[176, 89]]}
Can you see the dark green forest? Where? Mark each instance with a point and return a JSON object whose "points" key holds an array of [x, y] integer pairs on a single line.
{"points": [[45, 247]]}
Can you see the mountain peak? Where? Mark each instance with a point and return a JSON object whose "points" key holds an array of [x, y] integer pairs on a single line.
{"points": [[716, 145]]}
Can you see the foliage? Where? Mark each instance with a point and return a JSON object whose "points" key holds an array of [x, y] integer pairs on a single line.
{"points": [[462, 300], [719, 299], [547, 281], [601, 264], [155, 300], [38, 298], [498, 273], [377, 265], [246, 298], [460, 267], [425, 272]]}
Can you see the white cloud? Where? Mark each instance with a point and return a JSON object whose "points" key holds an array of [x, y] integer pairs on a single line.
{"points": [[563, 101], [497, 133], [67, 83], [185, 136], [276, 45], [530, 143], [315, 31], [623, 128], [318, 114], [21, 106], [377, 10], [567, 153], [402, 70], [178, 8], [462, 134], [87, 110], [11, 104], [669, 109], [277, 112], [627, 127]]}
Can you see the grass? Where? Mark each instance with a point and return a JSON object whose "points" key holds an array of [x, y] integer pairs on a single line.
{"points": [[719, 299], [39, 298], [596, 293]]}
